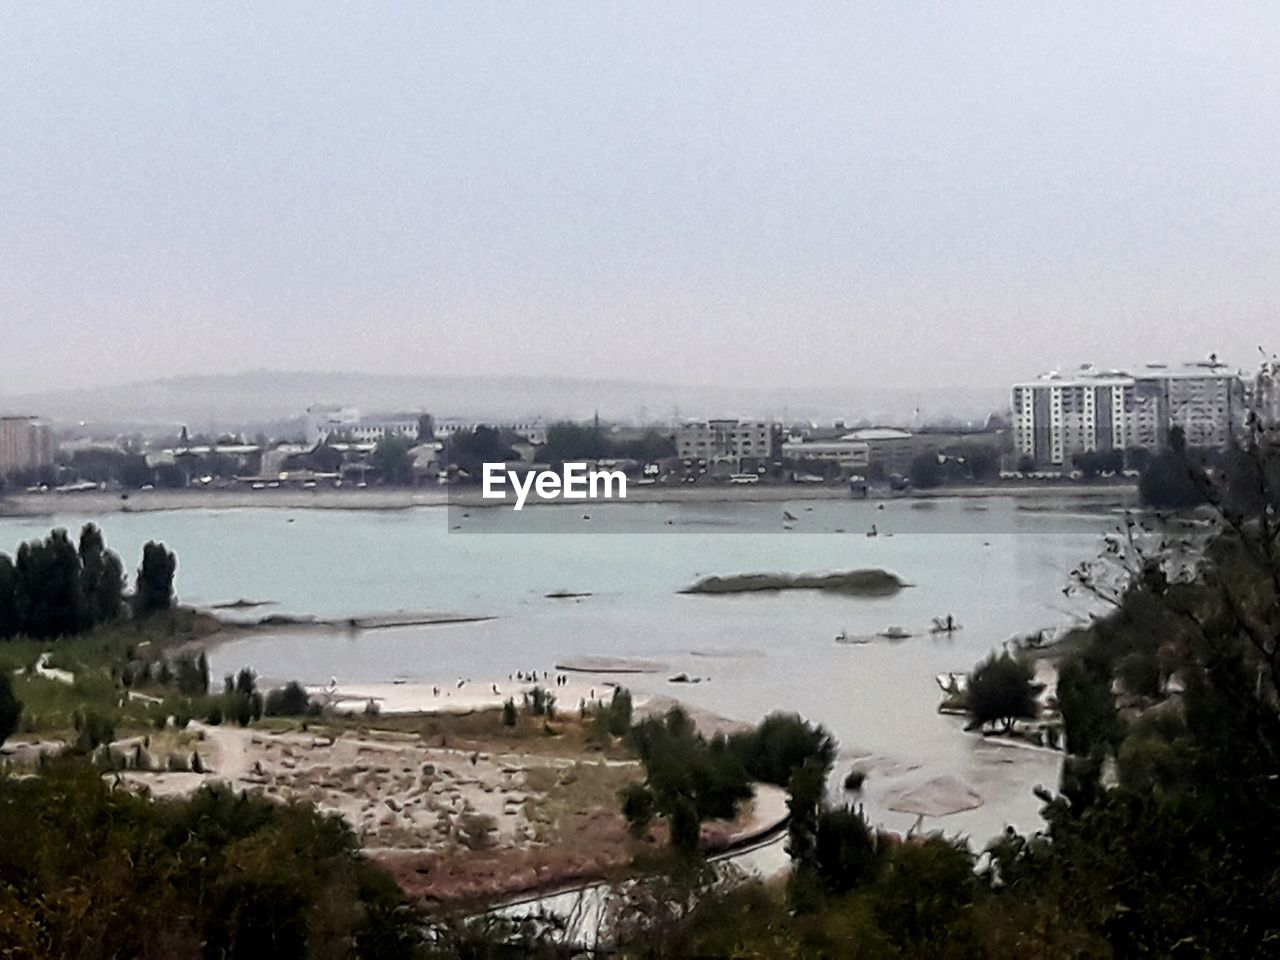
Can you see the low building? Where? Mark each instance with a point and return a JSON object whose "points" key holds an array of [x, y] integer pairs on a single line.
{"points": [[853, 455], [325, 420], [26, 445], [889, 450], [373, 429]]}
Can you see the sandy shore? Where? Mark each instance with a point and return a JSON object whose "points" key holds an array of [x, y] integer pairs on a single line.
{"points": [[49, 504], [458, 696]]}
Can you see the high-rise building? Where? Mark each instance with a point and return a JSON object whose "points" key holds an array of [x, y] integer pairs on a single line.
{"points": [[1057, 417], [25, 444]]}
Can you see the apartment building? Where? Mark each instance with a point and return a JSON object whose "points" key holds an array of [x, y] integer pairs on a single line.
{"points": [[1057, 417], [728, 439], [25, 444]]}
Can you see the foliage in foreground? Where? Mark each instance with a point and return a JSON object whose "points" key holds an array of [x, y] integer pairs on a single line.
{"points": [[217, 875]]}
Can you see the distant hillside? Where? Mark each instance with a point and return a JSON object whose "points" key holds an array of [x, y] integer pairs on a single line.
{"points": [[262, 397]]}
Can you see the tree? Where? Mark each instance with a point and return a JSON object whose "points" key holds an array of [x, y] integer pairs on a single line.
{"points": [[805, 792], [846, 853], [469, 450], [291, 700], [1093, 462], [153, 590], [101, 578], [782, 743], [393, 461], [685, 826], [618, 713], [925, 471], [10, 708], [575, 441], [1001, 690], [638, 806], [1175, 478], [9, 623], [48, 595], [1088, 710]]}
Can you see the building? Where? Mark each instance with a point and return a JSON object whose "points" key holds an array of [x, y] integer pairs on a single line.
{"points": [[324, 420], [713, 440], [889, 450], [851, 455], [25, 445], [329, 421], [534, 431], [1057, 417], [1266, 394], [373, 429]]}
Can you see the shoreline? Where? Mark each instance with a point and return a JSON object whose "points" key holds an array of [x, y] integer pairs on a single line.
{"points": [[153, 501]]}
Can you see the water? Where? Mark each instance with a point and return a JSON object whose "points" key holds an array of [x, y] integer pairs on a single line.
{"points": [[997, 568]]}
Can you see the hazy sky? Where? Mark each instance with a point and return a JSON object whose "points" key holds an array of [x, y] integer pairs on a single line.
{"points": [[788, 194]]}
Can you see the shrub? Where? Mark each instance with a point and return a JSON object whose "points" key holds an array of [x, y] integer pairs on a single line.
{"points": [[291, 700], [1001, 690]]}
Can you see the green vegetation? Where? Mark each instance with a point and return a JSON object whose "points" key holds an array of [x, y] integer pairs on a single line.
{"points": [[689, 778], [220, 874], [392, 460], [576, 442], [469, 450], [10, 709], [865, 583], [291, 700], [154, 590], [1001, 690]]}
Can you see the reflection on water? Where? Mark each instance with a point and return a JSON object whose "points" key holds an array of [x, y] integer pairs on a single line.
{"points": [[997, 569]]}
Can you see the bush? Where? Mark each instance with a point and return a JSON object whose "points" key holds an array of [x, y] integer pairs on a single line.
{"points": [[847, 852], [92, 730], [1001, 690], [638, 807], [10, 708], [781, 744], [291, 700]]}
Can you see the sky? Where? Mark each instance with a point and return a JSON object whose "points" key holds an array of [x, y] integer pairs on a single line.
{"points": [[785, 194]]}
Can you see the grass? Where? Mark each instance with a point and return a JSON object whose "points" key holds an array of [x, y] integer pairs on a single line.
{"points": [[110, 644], [566, 736], [49, 706]]}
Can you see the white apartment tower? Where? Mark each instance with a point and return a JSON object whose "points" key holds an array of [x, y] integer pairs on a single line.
{"points": [[1057, 417]]}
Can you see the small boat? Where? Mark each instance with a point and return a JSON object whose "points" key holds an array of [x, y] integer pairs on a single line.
{"points": [[844, 637], [788, 515], [873, 532], [947, 624], [894, 632]]}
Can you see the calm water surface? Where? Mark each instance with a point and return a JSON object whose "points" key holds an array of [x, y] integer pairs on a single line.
{"points": [[997, 568]]}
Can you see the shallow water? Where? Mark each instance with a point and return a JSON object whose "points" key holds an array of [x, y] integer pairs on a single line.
{"points": [[999, 570]]}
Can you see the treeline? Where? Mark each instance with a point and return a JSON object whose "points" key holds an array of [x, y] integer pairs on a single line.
{"points": [[955, 464], [568, 441], [1236, 480], [94, 872], [56, 588]]}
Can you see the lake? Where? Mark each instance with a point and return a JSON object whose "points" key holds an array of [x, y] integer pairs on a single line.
{"points": [[994, 565]]}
